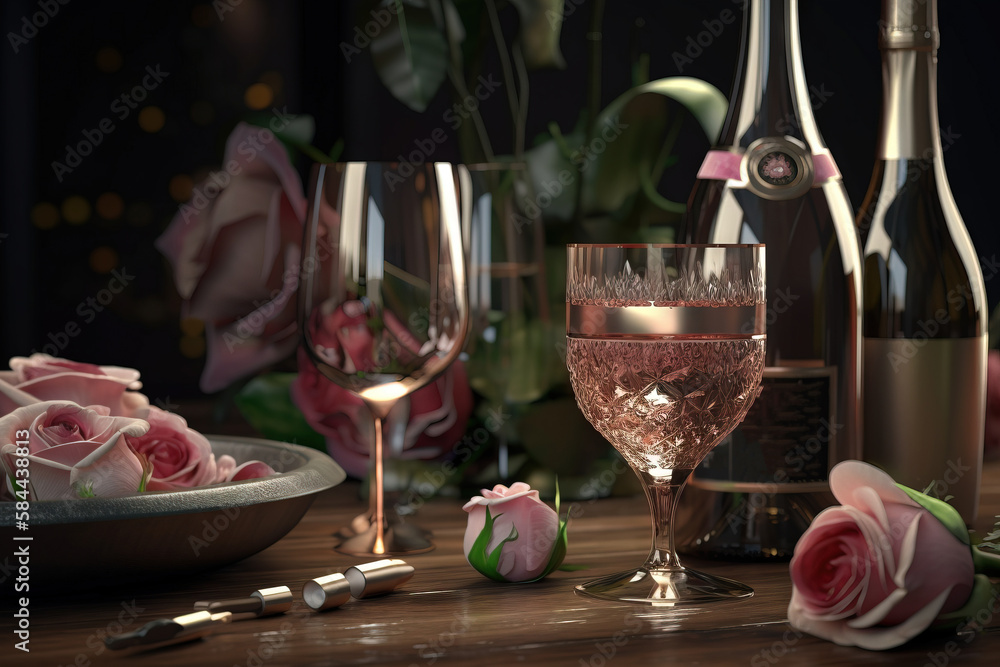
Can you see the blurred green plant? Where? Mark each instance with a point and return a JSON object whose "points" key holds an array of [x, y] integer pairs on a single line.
{"points": [[602, 177]]}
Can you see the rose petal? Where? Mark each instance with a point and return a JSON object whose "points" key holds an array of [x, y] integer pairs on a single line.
{"points": [[250, 470]]}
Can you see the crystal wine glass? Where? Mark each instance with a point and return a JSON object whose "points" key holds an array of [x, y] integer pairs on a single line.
{"points": [[665, 349], [383, 303]]}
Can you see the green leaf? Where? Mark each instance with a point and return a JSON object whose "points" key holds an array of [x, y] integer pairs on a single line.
{"points": [[982, 597], [411, 53], [637, 134], [558, 552], [988, 564], [266, 403], [570, 567], [541, 25], [944, 513], [486, 563]]}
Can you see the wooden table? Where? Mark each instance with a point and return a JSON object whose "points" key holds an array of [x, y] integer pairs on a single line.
{"points": [[448, 613]]}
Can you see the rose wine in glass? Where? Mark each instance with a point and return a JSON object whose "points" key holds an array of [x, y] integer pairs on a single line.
{"points": [[383, 304], [665, 349]]}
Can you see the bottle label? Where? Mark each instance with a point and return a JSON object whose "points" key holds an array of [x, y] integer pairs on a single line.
{"points": [[772, 168], [787, 441], [925, 401]]}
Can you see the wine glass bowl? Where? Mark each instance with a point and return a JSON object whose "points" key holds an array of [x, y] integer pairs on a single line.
{"points": [[665, 349], [383, 303]]}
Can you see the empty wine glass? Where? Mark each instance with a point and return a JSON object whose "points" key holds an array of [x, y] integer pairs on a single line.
{"points": [[665, 349], [383, 303]]}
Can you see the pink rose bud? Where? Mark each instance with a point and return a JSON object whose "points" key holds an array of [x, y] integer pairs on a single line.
{"points": [[512, 536], [879, 569]]}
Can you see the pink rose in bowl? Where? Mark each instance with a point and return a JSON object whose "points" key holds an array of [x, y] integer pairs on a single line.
{"points": [[438, 411], [235, 252], [42, 377], [181, 457], [991, 446], [879, 569], [528, 532], [72, 451]]}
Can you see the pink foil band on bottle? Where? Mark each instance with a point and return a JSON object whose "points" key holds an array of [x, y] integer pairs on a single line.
{"points": [[722, 165]]}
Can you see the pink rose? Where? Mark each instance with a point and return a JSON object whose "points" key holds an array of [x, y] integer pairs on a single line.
{"points": [[235, 252], [72, 451], [992, 440], [41, 377], [438, 411], [181, 457], [877, 570], [438, 414], [523, 527]]}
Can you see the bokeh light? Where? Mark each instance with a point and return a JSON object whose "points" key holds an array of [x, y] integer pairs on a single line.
{"points": [[108, 59], [103, 259], [258, 96], [76, 210], [110, 206], [44, 215], [151, 119]]}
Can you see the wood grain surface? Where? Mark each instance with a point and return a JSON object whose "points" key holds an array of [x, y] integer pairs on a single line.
{"points": [[448, 613]]}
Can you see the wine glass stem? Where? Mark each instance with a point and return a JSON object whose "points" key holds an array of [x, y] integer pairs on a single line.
{"points": [[376, 490], [662, 496]]}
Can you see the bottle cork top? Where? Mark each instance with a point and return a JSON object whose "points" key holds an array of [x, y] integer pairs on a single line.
{"points": [[909, 24]]}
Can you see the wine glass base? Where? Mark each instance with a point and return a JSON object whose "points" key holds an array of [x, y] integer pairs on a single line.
{"points": [[360, 538], [664, 587]]}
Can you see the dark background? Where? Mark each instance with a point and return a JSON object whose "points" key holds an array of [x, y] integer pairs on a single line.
{"points": [[60, 241]]}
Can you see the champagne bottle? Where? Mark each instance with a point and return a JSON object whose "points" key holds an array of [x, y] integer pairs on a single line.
{"points": [[773, 181], [925, 332]]}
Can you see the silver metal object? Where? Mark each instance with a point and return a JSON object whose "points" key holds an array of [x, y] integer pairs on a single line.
{"points": [[168, 631], [779, 168], [909, 24], [326, 592], [378, 577], [263, 602]]}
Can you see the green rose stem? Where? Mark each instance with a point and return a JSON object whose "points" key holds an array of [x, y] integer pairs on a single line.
{"points": [[986, 565]]}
